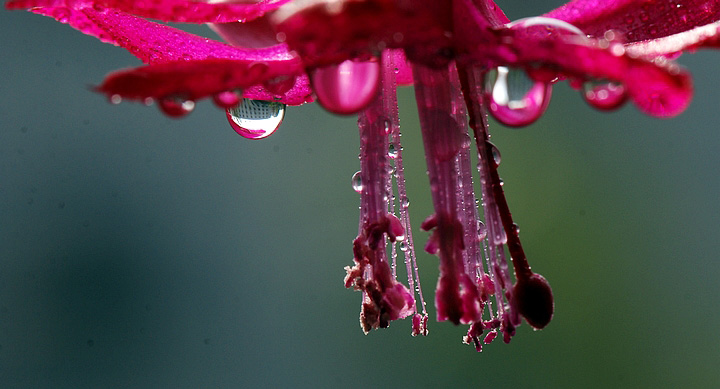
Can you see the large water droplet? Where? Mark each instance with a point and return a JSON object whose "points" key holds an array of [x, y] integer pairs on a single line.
{"points": [[347, 87], [175, 106], [604, 95], [356, 182], [515, 99], [256, 119]]}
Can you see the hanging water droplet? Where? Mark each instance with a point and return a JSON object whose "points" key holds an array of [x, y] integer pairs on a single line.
{"points": [[495, 154], [356, 182], [227, 99], [605, 96], [115, 99], [515, 99], [403, 246], [392, 151], [516, 229], [347, 87], [175, 106], [256, 119], [405, 202]]}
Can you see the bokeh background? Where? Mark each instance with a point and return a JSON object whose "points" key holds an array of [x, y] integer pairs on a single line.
{"points": [[141, 251]]}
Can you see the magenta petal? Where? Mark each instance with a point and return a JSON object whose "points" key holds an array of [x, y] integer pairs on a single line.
{"points": [[403, 72], [323, 34], [638, 20], [78, 20], [186, 11], [659, 90], [156, 43], [699, 37], [192, 80]]}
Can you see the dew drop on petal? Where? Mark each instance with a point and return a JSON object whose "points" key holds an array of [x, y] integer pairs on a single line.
{"points": [[604, 96], [515, 99], [176, 107], [346, 88], [256, 119], [227, 99], [356, 182]]}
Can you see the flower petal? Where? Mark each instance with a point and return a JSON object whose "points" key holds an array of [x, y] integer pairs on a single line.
{"points": [[192, 80], [703, 36], [658, 88], [156, 43], [330, 32], [185, 11], [638, 19]]}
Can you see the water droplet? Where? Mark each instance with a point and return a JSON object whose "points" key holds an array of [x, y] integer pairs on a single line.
{"points": [[256, 119], [227, 99], [495, 154], [392, 151], [176, 107], [515, 99], [356, 181], [115, 99], [347, 87], [403, 246], [605, 96], [481, 231], [405, 202]]}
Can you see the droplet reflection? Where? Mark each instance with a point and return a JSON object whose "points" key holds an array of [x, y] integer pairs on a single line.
{"points": [[256, 119]]}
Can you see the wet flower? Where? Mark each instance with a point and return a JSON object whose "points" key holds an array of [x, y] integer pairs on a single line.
{"points": [[465, 59]]}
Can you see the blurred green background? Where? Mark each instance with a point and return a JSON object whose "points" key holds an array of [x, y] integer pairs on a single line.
{"points": [[141, 251]]}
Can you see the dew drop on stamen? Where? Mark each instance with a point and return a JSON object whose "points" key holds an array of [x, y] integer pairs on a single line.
{"points": [[392, 151], [604, 96], [482, 231], [256, 119], [176, 107], [515, 99], [356, 182], [495, 155], [347, 87]]}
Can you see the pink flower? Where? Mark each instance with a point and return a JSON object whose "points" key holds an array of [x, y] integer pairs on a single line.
{"points": [[464, 57]]}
